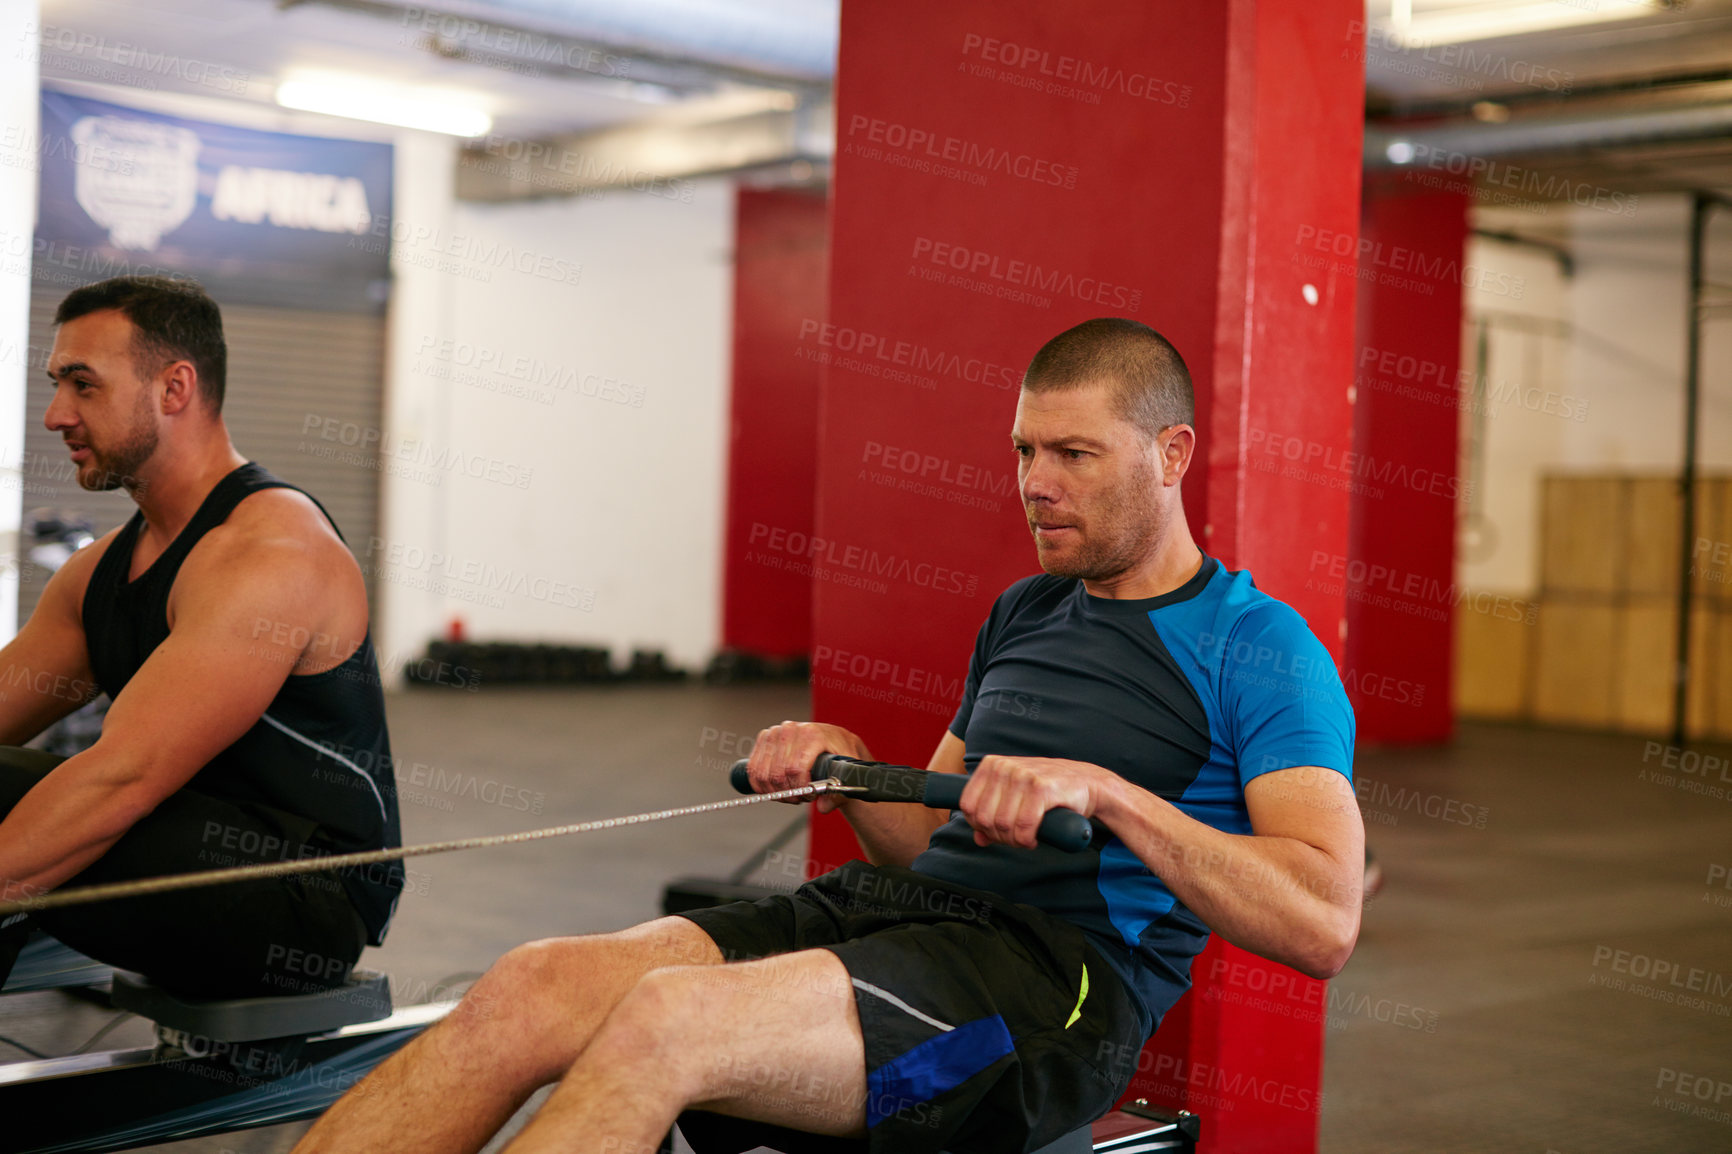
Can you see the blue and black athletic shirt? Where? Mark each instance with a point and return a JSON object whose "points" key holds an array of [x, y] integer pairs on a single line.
{"points": [[1190, 695]]}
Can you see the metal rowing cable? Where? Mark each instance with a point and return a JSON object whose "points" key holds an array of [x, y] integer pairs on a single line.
{"points": [[108, 891]]}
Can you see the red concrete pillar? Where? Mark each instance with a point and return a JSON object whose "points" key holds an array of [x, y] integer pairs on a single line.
{"points": [[781, 238], [1004, 172], [1400, 566]]}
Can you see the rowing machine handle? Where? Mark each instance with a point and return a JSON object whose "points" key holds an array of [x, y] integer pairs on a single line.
{"points": [[1061, 828]]}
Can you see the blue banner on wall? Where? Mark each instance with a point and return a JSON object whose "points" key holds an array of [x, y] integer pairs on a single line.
{"points": [[262, 218]]}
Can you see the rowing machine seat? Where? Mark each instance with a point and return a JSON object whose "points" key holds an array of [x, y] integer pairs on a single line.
{"points": [[365, 997]]}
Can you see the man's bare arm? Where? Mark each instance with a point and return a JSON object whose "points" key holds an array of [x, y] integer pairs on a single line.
{"points": [[202, 688], [45, 670], [1290, 891], [895, 834], [890, 833]]}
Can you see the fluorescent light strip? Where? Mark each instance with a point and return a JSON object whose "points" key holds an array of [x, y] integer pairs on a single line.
{"points": [[1444, 27], [383, 106]]}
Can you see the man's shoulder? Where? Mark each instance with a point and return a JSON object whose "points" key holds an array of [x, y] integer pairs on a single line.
{"points": [[279, 518], [1035, 589], [1237, 608], [278, 532]]}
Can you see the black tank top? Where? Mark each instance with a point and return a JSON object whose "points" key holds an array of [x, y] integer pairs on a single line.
{"points": [[318, 762]]}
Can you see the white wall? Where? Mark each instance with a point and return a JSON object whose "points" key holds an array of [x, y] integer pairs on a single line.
{"points": [[579, 373], [1630, 303], [1604, 390], [422, 299], [1519, 414], [19, 108]]}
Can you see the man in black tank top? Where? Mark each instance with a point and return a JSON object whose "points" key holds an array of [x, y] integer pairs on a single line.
{"points": [[228, 622]]}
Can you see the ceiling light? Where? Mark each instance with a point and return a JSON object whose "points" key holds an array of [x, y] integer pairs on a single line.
{"points": [[1399, 152], [1482, 21], [384, 104]]}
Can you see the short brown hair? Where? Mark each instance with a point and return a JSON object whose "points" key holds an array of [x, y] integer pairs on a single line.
{"points": [[173, 319], [1150, 384]]}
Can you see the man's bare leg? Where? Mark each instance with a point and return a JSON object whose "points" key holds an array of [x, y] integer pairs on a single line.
{"points": [[518, 1028], [776, 1040]]}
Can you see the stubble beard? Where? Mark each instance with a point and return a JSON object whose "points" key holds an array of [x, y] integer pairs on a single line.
{"points": [[111, 468], [1125, 529]]}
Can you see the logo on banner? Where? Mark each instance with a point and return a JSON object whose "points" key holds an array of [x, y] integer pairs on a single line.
{"points": [[150, 190]]}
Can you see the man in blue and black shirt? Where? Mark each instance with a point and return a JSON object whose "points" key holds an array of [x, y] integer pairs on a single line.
{"points": [[969, 989]]}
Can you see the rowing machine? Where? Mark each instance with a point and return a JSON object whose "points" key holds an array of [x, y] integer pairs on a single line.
{"points": [[217, 1066]]}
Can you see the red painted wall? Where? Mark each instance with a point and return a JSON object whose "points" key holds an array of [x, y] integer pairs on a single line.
{"points": [[780, 250], [1003, 173], [956, 195], [1399, 570]]}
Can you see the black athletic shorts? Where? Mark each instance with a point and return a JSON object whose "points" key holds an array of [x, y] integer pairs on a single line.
{"points": [[270, 936], [989, 1025]]}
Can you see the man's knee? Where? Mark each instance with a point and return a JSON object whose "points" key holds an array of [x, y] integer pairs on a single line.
{"points": [[561, 969], [531, 973], [665, 1009]]}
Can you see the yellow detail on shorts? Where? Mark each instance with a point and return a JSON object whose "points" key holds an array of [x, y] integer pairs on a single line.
{"points": [[1081, 995]]}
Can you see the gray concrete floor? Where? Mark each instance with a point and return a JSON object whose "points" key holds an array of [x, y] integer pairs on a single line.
{"points": [[1546, 1038], [1488, 1007]]}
